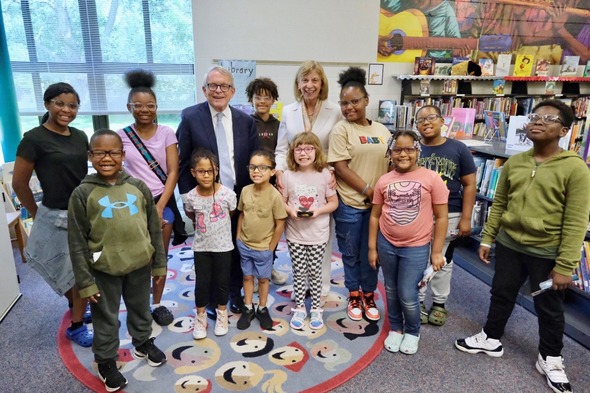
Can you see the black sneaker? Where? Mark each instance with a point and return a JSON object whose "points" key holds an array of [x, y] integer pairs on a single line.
{"points": [[149, 351], [162, 316], [112, 378], [480, 343], [263, 316], [245, 319], [553, 369]]}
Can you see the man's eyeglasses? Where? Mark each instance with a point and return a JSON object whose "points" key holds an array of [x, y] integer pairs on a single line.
{"points": [[261, 168], [223, 87], [203, 172], [60, 104], [137, 106], [407, 150], [262, 98], [430, 118], [306, 149], [103, 153], [354, 102], [547, 119]]}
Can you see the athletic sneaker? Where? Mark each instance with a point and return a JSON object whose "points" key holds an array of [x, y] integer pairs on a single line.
{"points": [[315, 320], [278, 278], [200, 329], [553, 369], [111, 377], [369, 307], [162, 316], [246, 317], [354, 306], [221, 326], [480, 343], [149, 351], [264, 318], [298, 319]]}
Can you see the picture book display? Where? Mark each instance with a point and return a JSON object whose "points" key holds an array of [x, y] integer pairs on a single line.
{"points": [[516, 138], [523, 65], [495, 125], [503, 65], [542, 67], [550, 87], [587, 69], [447, 125], [450, 86], [387, 112], [424, 66], [460, 65], [499, 85], [424, 87], [569, 67], [487, 66], [442, 69], [464, 120]]}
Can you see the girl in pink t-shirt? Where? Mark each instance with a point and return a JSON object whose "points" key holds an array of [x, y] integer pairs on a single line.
{"points": [[309, 200], [400, 234]]}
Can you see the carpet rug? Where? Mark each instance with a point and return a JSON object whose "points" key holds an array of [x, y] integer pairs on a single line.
{"points": [[252, 360]]}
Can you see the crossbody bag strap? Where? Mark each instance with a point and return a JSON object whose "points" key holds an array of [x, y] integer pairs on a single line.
{"points": [[145, 153]]}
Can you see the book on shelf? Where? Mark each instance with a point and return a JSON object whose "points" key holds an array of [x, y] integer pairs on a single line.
{"points": [[487, 66], [492, 168], [424, 87], [480, 163], [550, 87], [447, 125], [569, 66], [495, 124], [542, 67], [516, 138], [387, 112], [424, 65], [587, 69], [498, 87], [450, 86], [442, 68], [503, 65], [464, 119], [523, 65], [459, 65]]}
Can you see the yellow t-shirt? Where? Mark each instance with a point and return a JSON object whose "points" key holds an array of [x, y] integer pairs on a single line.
{"points": [[260, 209], [364, 148]]}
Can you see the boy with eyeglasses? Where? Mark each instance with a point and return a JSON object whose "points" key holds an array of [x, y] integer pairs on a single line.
{"points": [[262, 94], [116, 247], [538, 221], [453, 161]]}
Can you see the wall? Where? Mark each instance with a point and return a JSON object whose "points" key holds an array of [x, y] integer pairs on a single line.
{"points": [[279, 35]]}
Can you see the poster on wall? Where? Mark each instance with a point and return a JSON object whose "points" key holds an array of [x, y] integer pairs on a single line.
{"points": [[486, 28], [243, 71]]}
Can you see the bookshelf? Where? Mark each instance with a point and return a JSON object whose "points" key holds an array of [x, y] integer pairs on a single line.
{"points": [[577, 302]]}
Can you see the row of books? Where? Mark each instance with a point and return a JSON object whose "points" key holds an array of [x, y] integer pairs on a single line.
{"points": [[524, 65], [487, 175], [395, 116], [582, 280]]}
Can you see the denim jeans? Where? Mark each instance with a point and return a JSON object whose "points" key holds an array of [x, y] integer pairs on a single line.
{"points": [[352, 232], [403, 268]]}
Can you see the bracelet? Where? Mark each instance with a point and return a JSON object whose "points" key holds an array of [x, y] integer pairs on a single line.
{"points": [[365, 189]]}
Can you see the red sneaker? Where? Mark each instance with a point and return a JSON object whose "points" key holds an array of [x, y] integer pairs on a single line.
{"points": [[354, 306], [369, 307]]}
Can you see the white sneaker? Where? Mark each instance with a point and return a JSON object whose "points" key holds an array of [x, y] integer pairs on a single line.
{"points": [[221, 327], [553, 369], [200, 329], [278, 278], [480, 343]]}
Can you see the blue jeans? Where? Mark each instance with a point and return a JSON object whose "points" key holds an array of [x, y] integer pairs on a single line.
{"points": [[352, 232], [403, 268]]}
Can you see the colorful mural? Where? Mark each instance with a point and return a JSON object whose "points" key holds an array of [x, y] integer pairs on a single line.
{"points": [[546, 29]]}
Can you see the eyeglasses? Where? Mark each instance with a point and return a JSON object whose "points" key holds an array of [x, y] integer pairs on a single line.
{"points": [[60, 104], [306, 149], [137, 106], [354, 102], [547, 119], [103, 153], [407, 150], [262, 98], [430, 119], [261, 168], [203, 172], [214, 86]]}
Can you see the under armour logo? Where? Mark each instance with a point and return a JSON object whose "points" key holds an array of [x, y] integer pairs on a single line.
{"points": [[108, 211]]}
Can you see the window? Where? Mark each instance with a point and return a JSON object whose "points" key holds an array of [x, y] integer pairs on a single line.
{"points": [[91, 44]]}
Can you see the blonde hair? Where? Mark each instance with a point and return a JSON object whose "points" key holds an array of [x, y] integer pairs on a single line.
{"points": [[307, 138], [305, 69]]}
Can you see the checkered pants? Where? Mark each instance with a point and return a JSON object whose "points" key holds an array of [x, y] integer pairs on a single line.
{"points": [[306, 260]]}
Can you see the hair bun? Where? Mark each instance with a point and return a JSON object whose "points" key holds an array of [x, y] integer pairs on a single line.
{"points": [[140, 78], [352, 74]]}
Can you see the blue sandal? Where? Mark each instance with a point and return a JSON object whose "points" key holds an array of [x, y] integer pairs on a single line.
{"points": [[81, 336], [87, 314]]}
